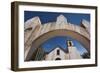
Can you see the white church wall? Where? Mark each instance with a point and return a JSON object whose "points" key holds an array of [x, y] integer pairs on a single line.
{"points": [[53, 55]]}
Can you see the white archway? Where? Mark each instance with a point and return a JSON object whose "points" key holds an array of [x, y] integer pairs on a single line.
{"points": [[58, 32]]}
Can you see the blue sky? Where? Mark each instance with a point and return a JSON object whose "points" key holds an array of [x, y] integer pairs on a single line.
{"points": [[61, 40], [45, 17]]}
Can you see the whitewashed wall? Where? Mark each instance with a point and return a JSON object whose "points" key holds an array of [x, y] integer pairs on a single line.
{"points": [[53, 54]]}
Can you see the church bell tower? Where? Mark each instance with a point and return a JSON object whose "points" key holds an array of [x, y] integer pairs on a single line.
{"points": [[73, 52], [70, 43]]}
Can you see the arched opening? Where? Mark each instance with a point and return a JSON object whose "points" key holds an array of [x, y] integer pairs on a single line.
{"points": [[58, 52], [58, 59], [60, 32]]}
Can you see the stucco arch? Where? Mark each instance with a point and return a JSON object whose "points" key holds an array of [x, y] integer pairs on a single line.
{"points": [[57, 32]]}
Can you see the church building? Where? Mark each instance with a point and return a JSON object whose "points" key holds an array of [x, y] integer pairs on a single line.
{"points": [[58, 53]]}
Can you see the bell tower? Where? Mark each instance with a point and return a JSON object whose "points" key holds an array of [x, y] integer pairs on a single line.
{"points": [[69, 43], [73, 52]]}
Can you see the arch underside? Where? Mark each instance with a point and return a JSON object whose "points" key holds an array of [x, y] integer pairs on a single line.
{"points": [[60, 32]]}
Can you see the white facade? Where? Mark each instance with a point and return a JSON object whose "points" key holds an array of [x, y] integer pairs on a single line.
{"points": [[53, 55], [61, 54]]}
